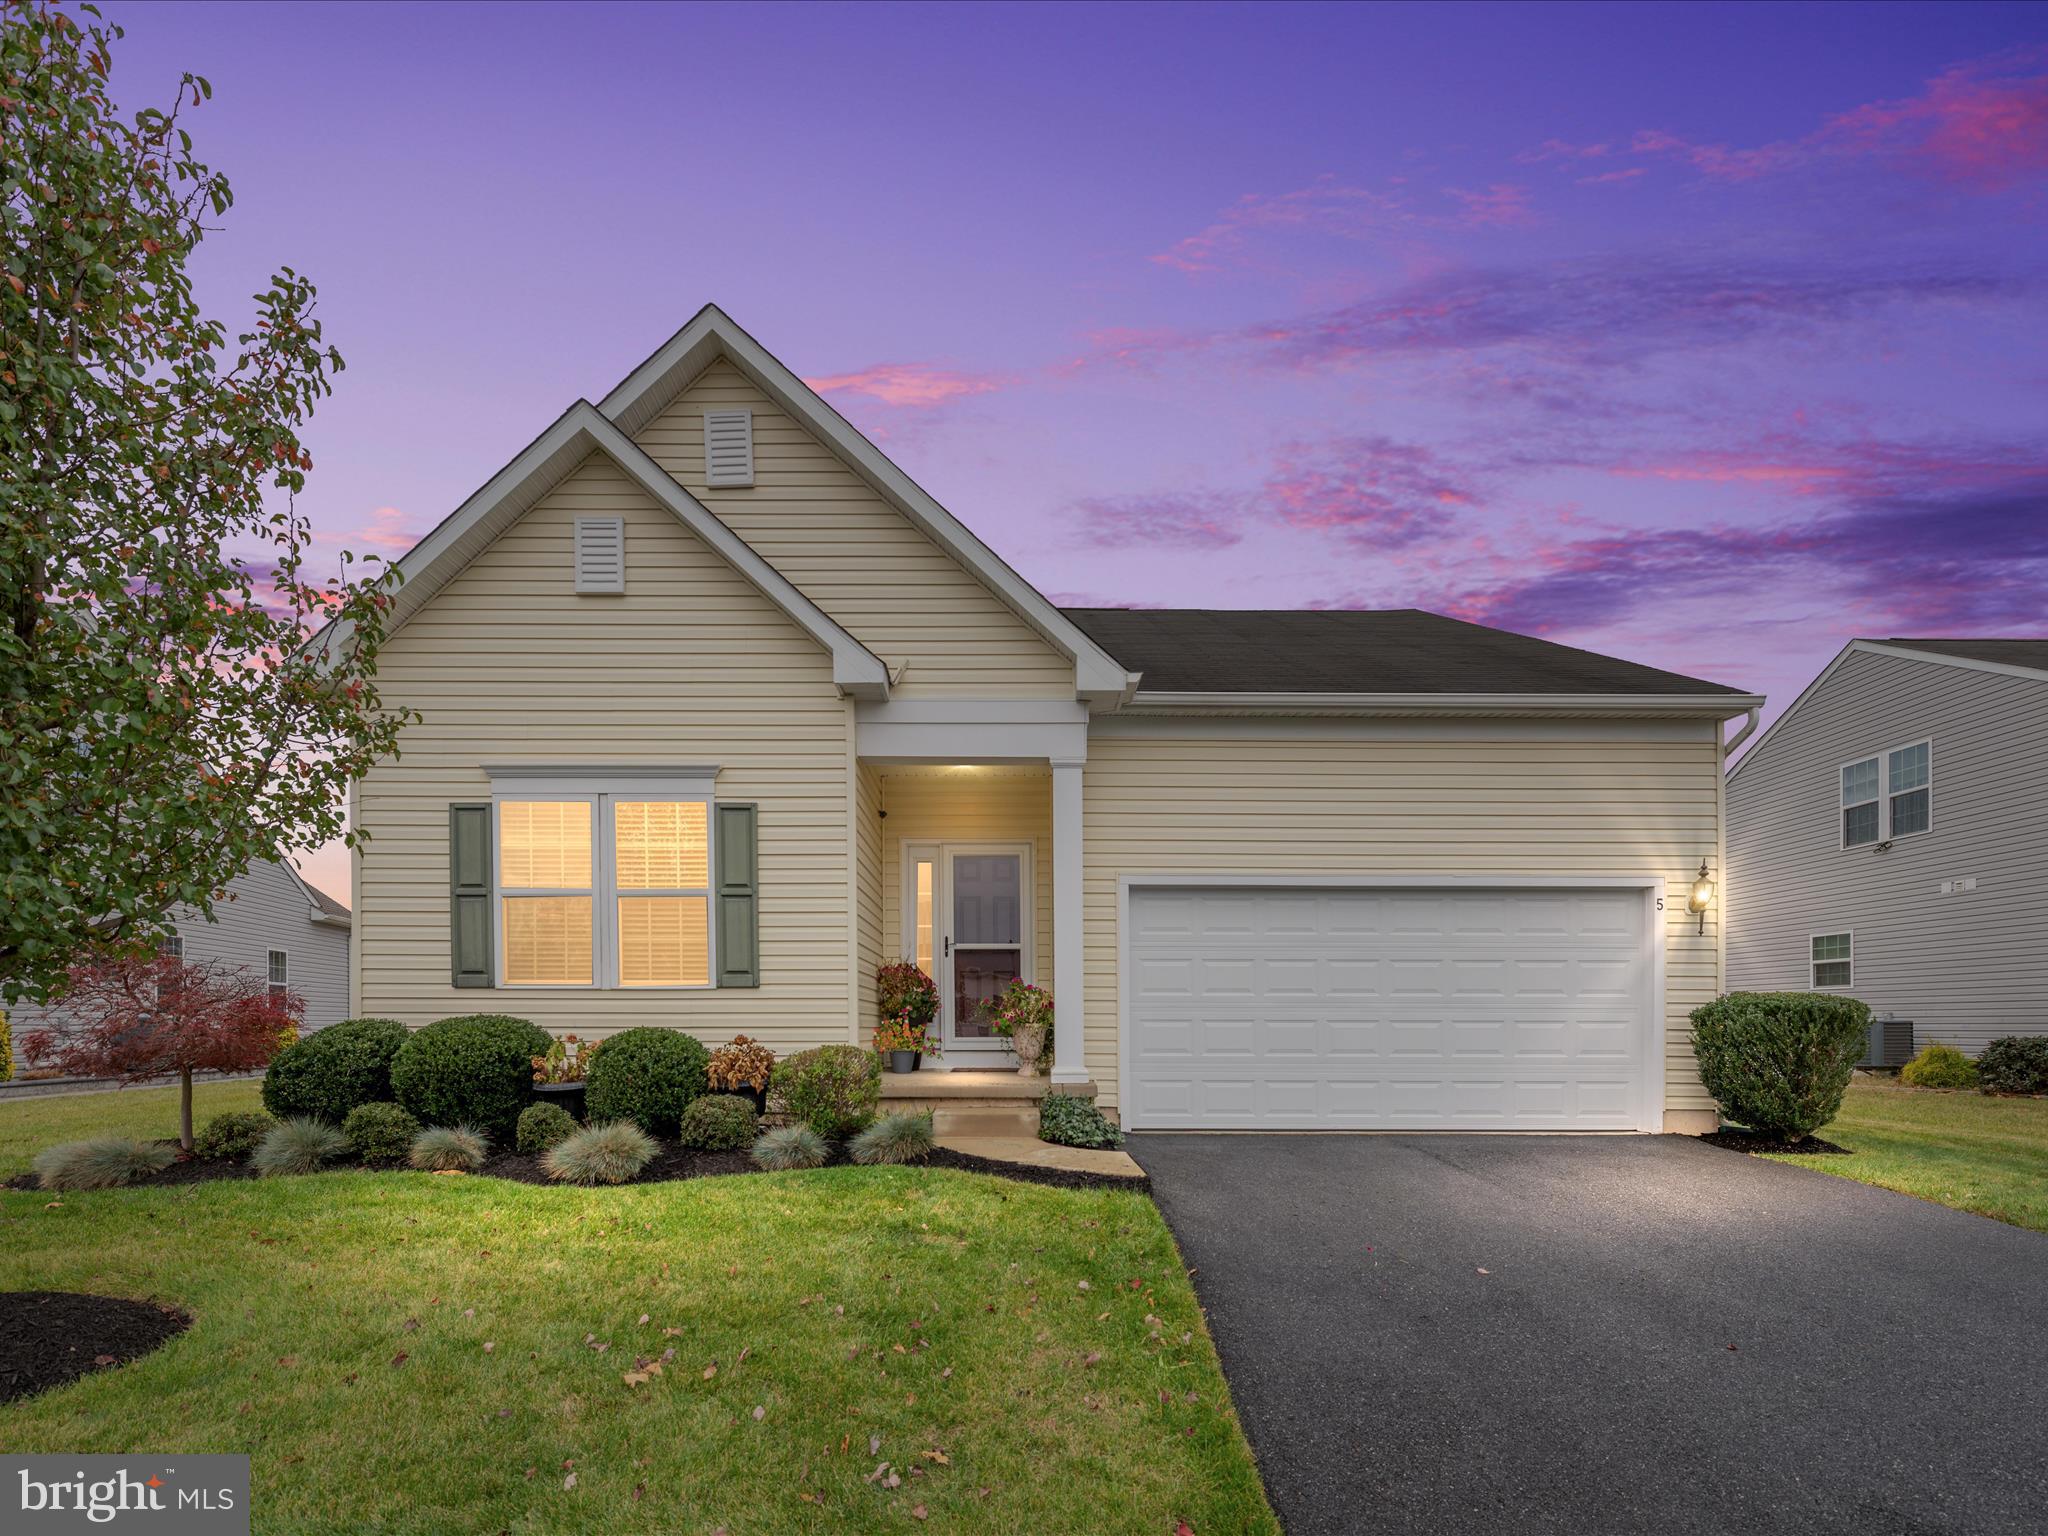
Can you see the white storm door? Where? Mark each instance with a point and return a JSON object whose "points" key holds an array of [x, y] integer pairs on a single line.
{"points": [[984, 938]]}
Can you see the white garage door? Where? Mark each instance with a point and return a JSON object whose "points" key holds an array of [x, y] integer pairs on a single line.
{"points": [[1387, 1009]]}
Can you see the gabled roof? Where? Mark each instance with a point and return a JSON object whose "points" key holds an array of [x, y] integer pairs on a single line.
{"points": [[542, 465], [2014, 658], [2029, 655], [1366, 652], [648, 389], [324, 908]]}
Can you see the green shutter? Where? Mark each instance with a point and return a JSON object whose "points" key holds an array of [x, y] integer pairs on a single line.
{"points": [[469, 895], [739, 926]]}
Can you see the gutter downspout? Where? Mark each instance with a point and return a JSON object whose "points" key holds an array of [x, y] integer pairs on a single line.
{"points": [[1748, 730]]}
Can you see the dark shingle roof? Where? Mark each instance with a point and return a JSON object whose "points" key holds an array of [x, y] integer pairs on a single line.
{"points": [[325, 902], [1396, 650], [2011, 653]]}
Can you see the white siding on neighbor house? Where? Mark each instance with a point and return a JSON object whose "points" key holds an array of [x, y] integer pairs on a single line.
{"points": [[1471, 797], [691, 665], [846, 548], [969, 805], [269, 910], [1965, 967]]}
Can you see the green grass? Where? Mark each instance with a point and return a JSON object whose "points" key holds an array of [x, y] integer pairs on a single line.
{"points": [[341, 1319], [1968, 1150], [29, 1125]]}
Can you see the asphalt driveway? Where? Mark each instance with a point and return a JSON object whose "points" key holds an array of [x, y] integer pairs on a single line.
{"points": [[1487, 1333]]}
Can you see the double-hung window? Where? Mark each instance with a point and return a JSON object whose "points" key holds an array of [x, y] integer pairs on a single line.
{"points": [[1833, 960], [279, 966], [1887, 796], [604, 890]]}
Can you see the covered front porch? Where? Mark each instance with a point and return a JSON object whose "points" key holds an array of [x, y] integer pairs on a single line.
{"points": [[970, 855]]}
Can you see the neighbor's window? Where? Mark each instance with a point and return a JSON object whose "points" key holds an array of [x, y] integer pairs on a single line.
{"points": [[1908, 788], [172, 948], [544, 876], [662, 863], [1888, 796], [605, 891], [1859, 803], [280, 971], [1832, 959]]}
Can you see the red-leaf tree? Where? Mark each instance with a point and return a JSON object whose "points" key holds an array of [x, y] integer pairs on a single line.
{"points": [[148, 1016]]}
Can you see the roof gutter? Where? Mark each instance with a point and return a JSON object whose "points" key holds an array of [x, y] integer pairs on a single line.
{"points": [[1715, 706]]}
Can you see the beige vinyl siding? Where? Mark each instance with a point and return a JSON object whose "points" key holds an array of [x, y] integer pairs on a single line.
{"points": [[691, 665], [1965, 967], [869, 946], [969, 805], [1474, 798], [854, 555]]}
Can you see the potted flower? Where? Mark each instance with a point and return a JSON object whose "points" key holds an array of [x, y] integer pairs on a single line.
{"points": [[742, 1066], [904, 1043], [558, 1076], [903, 990], [1023, 1016]]}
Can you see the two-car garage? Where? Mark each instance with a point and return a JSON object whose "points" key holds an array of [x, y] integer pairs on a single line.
{"points": [[1334, 1005]]}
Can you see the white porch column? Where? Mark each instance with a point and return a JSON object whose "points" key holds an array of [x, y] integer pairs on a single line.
{"points": [[1069, 1056]]}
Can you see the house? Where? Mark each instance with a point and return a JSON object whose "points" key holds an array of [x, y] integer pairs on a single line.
{"points": [[274, 925], [1887, 838], [720, 710]]}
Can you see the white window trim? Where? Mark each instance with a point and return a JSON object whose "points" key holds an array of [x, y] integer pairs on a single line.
{"points": [[1812, 984], [1883, 757], [603, 890], [269, 981], [172, 947]]}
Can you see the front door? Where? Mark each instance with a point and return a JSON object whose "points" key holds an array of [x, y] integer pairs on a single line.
{"points": [[971, 926]]}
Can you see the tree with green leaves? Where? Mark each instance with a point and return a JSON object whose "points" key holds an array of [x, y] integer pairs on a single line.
{"points": [[164, 717]]}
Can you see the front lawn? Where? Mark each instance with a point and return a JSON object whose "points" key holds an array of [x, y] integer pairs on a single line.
{"points": [[854, 1349], [29, 1125], [1969, 1150]]}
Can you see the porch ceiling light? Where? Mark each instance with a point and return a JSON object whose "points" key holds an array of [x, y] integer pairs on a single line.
{"points": [[1702, 896]]}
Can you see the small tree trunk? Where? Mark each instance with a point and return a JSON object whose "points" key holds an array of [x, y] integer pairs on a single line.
{"points": [[185, 1108]]}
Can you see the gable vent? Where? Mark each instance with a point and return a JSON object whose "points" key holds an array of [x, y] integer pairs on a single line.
{"points": [[600, 554], [728, 447]]}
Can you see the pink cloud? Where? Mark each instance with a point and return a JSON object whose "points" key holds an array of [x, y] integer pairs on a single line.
{"points": [[917, 385], [1371, 491], [387, 531], [1326, 207], [1558, 149], [1971, 125], [1606, 178], [1500, 204]]}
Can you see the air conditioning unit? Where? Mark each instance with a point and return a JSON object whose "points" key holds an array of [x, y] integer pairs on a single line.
{"points": [[1890, 1044]]}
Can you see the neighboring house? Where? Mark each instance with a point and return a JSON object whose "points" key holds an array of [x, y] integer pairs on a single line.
{"points": [[1888, 838], [276, 926], [720, 710]]}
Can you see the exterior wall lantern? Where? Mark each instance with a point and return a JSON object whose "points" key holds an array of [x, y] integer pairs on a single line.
{"points": [[1702, 896]]}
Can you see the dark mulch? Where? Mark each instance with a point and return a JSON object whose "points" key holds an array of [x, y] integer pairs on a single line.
{"points": [[48, 1338], [672, 1163], [1752, 1141], [1025, 1173]]}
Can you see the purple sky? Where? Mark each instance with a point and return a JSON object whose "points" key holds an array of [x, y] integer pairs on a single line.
{"points": [[1710, 336]]}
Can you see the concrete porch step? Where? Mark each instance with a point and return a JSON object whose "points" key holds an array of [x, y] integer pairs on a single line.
{"points": [[974, 1104]]}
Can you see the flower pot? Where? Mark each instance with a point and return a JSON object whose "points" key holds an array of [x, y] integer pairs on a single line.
{"points": [[902, 1061], [758, 1097], [1029, 1044], [568, 1095]]}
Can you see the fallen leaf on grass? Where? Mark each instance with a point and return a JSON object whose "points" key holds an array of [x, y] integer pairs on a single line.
{"points": [[939, 1456], [760, 1413], [410, 1325], [569, 1481], [917, 1512], [644, 1320], [711, 1370], [102, 1359], [489, 1346], [400, 1358], [639, 1492]]}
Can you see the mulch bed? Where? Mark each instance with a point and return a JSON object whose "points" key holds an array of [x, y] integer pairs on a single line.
{"points": [[48, 1338], [1750, 1141], [671, 1164]]}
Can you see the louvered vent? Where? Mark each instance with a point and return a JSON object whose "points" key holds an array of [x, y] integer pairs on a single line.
{"points": [[728, 447], [600, 554]]}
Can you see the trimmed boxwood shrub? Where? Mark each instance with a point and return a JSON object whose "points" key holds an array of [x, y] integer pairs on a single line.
{"points": [[648, 1076], [1779, 1062], [542, 1126], [718, 1122], [1069, 1121], [235, 1134], [833, 1089], [2014, 1064], [332, 1070], [1940, 1066], [380, 1133], [475, 1069]]}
